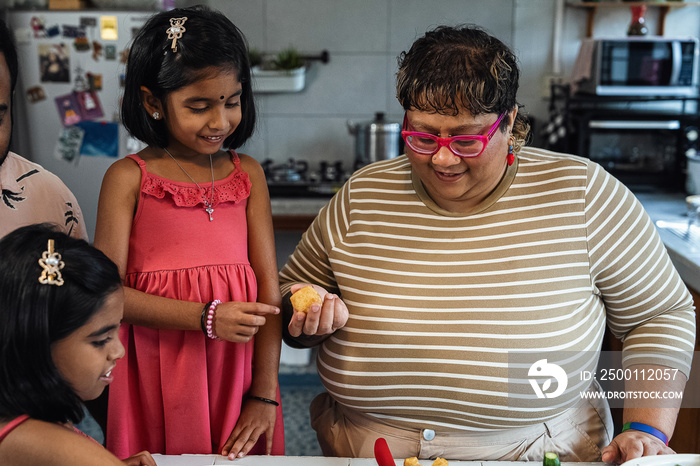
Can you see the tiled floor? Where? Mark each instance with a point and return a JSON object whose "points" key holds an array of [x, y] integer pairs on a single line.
{"points": [[298, 386]]}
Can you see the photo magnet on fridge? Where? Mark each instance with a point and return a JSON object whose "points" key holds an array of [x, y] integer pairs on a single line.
{"points": [[54, 63]]}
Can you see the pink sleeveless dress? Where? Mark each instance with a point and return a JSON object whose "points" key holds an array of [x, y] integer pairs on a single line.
{"points": [[178, 392]]}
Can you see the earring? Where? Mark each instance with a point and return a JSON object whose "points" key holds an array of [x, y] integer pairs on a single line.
{"points": [[155, 115], [510, 158]]}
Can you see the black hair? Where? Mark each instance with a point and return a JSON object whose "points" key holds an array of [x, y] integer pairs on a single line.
{"points": [[33, 316], [7, 47], [461, 67], [210, 40]]}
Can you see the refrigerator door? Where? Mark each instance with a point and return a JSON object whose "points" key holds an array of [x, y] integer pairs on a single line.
{"points": [[51, 59]]}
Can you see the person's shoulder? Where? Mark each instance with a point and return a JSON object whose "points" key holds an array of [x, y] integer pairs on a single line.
{"points": [[124, 171], [398, 166], [18, 163], [247, 162], [24, 169], [542, 156]]}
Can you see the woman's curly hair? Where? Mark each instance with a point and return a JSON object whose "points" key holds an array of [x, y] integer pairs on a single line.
{"points": [[452, 69]]}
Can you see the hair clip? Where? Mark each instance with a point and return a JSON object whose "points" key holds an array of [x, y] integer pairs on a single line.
{"points": [[175, 30], [52, 264]]}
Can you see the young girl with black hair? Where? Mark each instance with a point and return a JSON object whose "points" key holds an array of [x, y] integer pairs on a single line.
{"points": [[61, 302], [189, 224]]}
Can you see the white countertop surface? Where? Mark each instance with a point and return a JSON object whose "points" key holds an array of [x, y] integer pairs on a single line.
{"points": [[209, 460], [668, 212]]}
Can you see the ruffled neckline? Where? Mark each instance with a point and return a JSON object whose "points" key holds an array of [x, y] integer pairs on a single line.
{"points": [[234, 188]]}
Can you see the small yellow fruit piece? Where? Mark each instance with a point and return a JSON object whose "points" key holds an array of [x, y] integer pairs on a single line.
{"points": [[304, 298], [440, 462], [411, 462]]}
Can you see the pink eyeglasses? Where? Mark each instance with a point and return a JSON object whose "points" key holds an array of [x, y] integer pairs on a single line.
{"points": [[464, 145]]}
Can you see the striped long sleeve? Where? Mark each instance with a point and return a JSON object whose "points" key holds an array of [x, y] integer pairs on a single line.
{"points": [[440, 302]]}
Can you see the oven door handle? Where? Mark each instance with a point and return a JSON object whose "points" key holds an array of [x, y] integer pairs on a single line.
{"points": [[634, 124], [676, 62]]}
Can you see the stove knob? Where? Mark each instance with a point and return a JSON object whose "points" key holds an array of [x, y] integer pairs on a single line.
{"points": [[692, 152], [691, 134]]}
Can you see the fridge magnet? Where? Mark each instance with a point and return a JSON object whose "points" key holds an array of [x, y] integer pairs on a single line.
{"points": [[81, 44], [96, 50], [124, 55], [100, 138], [108, 28], [23, 36], [68, 108], [53, 31], [35, 94], [68, 144], [73, 32], [88, 22], [110, 52], [89, 105], [37, 25], [94, 81], [54, 63]]}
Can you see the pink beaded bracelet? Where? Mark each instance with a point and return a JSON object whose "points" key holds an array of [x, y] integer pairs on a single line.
{"points": [[210, 319]]}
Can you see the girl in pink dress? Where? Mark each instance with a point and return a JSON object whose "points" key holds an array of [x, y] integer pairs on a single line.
{"points": [[190, 227]]}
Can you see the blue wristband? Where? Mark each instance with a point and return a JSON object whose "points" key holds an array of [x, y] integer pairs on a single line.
{"points": [[645, 428]]}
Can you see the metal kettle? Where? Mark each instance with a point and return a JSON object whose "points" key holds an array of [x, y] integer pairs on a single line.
{"points": [[375, 140]]}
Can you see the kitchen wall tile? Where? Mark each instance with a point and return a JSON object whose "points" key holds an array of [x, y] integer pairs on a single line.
{"points": [[337, 26], [247, 15], [347, 84], [314, 139], [410, 19]]}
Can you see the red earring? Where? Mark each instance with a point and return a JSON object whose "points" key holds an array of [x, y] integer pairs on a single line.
{"points": [[510, 158]]}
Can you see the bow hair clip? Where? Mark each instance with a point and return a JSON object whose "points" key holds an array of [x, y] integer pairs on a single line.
{"points": [[52, 264], [177, 27]]}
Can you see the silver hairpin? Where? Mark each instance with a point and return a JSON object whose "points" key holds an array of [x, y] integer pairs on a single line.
{"points": [[52, 264], [177, 27]]}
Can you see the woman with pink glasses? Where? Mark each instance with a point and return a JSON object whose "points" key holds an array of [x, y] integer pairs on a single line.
{"points": [[467, 285]]}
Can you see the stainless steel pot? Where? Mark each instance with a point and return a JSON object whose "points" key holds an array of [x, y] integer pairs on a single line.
{"points": [[375, 140]]}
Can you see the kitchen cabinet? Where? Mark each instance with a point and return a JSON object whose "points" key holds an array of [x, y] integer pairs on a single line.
{"points": [[592, 7], [686, 437]]}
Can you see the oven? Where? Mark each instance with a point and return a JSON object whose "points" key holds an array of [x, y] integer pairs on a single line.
{"points": [[642, 150]]}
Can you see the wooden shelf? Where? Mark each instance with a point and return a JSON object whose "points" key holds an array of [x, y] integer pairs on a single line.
{"points": [[592, 8]]}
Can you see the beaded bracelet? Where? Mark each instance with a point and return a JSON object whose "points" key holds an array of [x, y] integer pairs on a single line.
{"points": [[210, 319], [646, 428], [264, 400]]}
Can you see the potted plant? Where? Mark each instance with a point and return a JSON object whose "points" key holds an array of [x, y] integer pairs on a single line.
{"points": [[282, 72]]}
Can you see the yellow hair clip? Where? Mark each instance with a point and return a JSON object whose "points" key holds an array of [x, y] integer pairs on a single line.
{"points": [[177, 27], [52, 264]]}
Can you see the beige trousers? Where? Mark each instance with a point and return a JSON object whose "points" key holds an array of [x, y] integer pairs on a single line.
{"points": [[576, 435]]}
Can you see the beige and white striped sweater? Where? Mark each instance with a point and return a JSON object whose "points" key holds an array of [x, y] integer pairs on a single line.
{"points": [[438, 301]]}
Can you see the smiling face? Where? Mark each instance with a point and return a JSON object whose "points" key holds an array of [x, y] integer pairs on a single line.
{"points": [[456, 183], [86, 357], [202, 115]]}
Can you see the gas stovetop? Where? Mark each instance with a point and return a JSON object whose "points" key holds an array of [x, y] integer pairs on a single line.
{"points": [[294, 179], [303, 189]]}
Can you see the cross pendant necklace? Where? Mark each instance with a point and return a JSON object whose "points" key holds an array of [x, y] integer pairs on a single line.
{"points": [[208, 205]]}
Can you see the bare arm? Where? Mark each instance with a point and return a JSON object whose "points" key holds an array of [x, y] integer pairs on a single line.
{"points": [[118, 202], [41, 443], [658, 413], [258, 418]]}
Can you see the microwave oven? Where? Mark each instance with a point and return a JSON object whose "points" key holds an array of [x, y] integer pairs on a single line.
{"points": [[637, 66]]}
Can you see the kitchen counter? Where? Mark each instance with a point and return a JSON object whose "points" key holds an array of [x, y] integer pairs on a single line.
{"points": [[680, 235], [209, 460]]}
